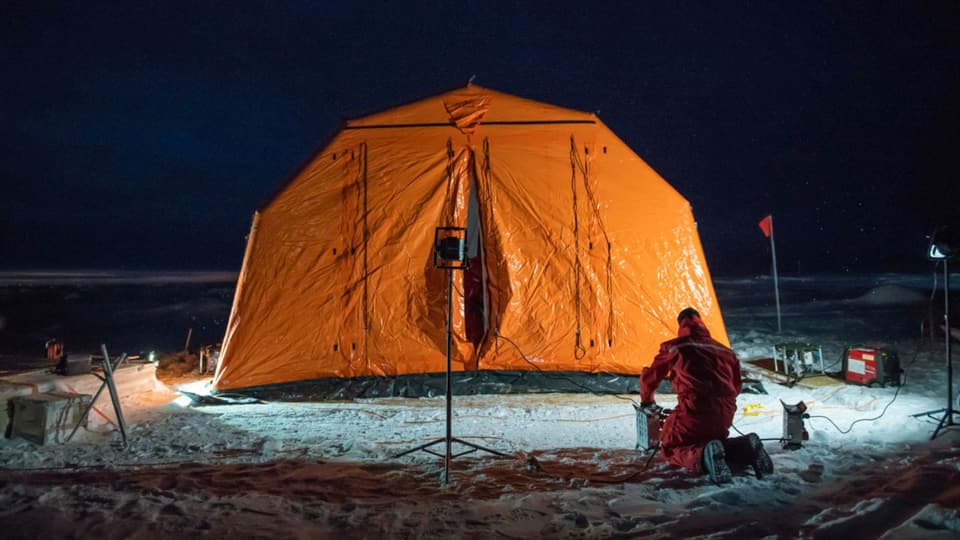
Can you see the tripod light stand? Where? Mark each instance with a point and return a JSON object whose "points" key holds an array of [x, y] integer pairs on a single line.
{"points": [[944, 247], [449, 254]]}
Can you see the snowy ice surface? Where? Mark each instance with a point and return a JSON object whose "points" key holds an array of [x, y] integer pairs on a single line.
{"points": [[10, 278], [329, 469]]}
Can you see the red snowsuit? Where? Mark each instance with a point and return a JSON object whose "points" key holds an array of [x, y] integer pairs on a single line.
{"points": [[706, 378]]}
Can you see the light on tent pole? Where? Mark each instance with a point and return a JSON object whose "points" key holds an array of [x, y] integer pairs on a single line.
{"points": [[776, 284], [949, 411], [942, 250]]}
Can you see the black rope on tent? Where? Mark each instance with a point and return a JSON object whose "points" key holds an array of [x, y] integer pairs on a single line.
{"points": [[595, 206], [366, 240], [450, 156], [578, 350], [639, 285]]}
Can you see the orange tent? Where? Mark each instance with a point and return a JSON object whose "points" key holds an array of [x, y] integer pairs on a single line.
{"points": [[581, 255]]}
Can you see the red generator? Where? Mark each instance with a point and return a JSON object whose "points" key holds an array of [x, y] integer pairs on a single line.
{"points": [[870, 367]]}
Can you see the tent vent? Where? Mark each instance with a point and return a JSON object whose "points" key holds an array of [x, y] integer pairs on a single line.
{"points": [[604, 149], [334, 251], [334, 156], [586, 150], [353, 251], [609, 343], [591, 343], [334, 347], [353, 346], [590, 245], [467, 112]]}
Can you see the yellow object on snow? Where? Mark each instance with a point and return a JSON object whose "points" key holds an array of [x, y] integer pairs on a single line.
{"points": [[753, 409]]}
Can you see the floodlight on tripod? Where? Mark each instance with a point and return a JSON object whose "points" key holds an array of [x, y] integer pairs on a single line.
{"points": [[945, 246], [449, 253], [450, 248]]}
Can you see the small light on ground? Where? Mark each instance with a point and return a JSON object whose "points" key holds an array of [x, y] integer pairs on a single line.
{"points": [[200, 388], [183, 401]]}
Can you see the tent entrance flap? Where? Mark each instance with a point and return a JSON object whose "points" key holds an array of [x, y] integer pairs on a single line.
{"points": [[462, 208], [474, 278]]}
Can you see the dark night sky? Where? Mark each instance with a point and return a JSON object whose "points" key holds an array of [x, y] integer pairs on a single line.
{"points": [[144, 135]]}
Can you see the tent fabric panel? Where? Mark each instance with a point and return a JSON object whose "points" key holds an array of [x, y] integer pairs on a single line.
{"points": [[234, 322], [678, 263], [660, 266], [650, 230], [291, 276], [404, 296], [408, 199], [533, 288]]}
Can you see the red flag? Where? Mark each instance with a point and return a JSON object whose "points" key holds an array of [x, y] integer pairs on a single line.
{"points": [[766, 225]]}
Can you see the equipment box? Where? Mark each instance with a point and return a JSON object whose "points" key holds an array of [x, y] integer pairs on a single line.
{"points": [[44, 418], [868, 366]]}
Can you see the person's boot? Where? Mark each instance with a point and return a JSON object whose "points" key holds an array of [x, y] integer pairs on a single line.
{"points": [[738, 450], [762, 464], [715, 464]]}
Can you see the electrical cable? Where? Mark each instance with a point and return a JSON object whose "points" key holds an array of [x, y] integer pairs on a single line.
{"points": [[903, 381], [796, 379], [742, 434], [652, 455], [559, 377], [831, 366]]}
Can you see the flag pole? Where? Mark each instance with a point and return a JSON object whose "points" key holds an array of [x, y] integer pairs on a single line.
{"points": [[776, 285]]}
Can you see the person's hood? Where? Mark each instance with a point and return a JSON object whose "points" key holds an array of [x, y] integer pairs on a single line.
{"points": [[693, 326]]}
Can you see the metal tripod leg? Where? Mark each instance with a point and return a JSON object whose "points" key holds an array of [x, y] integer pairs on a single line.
{"points": [[426, 448], [449, 439], [946, 421], [108, 383], [114, 396], [474, 448]]}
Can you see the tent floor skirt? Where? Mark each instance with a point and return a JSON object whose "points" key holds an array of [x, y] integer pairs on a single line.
{"points": [[464, 383]]}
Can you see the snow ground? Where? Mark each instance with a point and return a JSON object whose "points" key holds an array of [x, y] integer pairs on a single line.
{"points": [[329, 469]]}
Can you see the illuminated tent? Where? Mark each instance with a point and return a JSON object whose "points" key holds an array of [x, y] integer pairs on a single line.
{"points": [[580, 257]]}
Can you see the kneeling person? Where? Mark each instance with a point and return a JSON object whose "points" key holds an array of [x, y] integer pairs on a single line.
{"points": [[706, 379]]}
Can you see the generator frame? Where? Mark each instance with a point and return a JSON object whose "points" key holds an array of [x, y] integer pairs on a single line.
{"points": [[792, 353]]}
